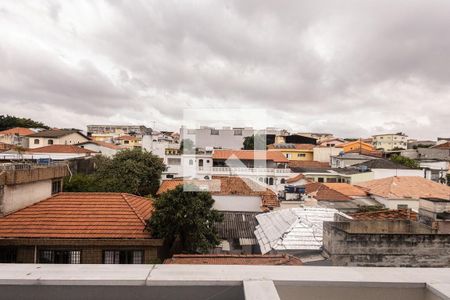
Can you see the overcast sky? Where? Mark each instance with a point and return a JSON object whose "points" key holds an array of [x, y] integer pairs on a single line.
{"points": [[353, 67]]}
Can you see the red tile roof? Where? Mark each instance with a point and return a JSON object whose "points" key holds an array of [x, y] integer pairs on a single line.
{"points": [[233, 259], [405, 187], [306, 147], [321, 192], [127, 138], [346, 189], [398, 214], [17, 131], [374, 153], [275, 156], [227, 186], [296, 178], [444, 146], [103, 144], [60, 149], [308, 164], [81, 215]]}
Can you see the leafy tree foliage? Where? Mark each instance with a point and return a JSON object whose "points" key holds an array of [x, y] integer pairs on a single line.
{"points": [[8, 121], [187, 146], [408, 162], [129, 171], [254, 142], [186, 216]]}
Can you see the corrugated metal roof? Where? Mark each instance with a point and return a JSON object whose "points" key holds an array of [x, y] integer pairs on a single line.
{"points": [[237, 225], [293, 229]]}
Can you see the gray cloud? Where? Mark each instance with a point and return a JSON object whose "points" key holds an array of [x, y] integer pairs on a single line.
{"points": [[352, 68]]}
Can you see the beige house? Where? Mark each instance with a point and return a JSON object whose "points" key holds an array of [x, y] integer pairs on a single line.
{"points": [[56, 137], [390, 141]]}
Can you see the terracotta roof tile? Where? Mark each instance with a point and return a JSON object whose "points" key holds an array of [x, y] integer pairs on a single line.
{"points": [[321, 192], [227, 185], [398, 214], [275, 156], [60, 149], [296, 178], [127, 138], [233, 259], [444, 146], [306, 147], [17, 131], [81, 215], [405, 187], [346, 189], [56, 133], [309, 164]]}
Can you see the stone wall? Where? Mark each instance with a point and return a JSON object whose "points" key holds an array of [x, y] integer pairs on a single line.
{"points": [[405, 244]]}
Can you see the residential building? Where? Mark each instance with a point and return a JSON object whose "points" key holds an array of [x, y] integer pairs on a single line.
{"points": [[224, 138], [295, 231], [324, 153], [233, 259], [56, 137], [230, 193], [357, 146], [383, 168], [332, 142], [47, 154], [294, 151], [390, 141], [16, 136], [435, 212], [5, 147], [236, 233], [344, 160], [286, 138], [103, 148], [23, 184], [385, 215], [128, 141], [106, 133], [80, 228], [414, 144], [405, 191], [317, 135]]}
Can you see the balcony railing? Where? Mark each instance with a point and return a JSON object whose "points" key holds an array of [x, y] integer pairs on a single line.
{"points": [[231, 170]]}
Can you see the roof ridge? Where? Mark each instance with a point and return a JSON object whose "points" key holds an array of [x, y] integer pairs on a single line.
{"points": [[124, 196]]}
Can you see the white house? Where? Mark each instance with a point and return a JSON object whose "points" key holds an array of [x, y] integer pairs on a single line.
{"points": [[56, 137], [104, 148], [390, 141]]}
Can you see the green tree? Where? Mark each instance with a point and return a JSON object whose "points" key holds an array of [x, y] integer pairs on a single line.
{"points": [[187, 146], [129, 171], [405, 161], [8, 121], [187, 217], [254, 142]]}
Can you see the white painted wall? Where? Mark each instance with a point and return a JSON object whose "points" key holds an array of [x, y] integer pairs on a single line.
{"points": [[97, 148], [384, 173], [237, 203], [392, 203], [19, 196], [70, 139]]}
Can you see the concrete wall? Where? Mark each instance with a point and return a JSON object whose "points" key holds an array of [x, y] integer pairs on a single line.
{"points": [[384, 173], [19, 196], [393, 203], [404, 244], [97, 148], [237, 203], [323, 154]]}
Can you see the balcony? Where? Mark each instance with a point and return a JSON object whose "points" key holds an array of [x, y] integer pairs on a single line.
{"points": [[243, 171], [28, 281]]}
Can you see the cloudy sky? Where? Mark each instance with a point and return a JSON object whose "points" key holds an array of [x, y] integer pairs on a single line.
{"points": [[354, 67]]}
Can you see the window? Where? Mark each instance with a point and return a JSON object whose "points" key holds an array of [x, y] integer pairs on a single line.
{"points": [[50, 142], [287, 155], [200, 162], [238, 132], [270, 181], [214, 132], [59, 256], [8, 254], [301, 155], [320, 179], [123, 257], [402, 206], [126, 142], [36, 141], [283, 181], [56, 186], [191, 162]]}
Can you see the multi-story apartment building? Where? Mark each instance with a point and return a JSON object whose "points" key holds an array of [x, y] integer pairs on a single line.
{"points": [[390, 141], [108, 132], [226, 137]]}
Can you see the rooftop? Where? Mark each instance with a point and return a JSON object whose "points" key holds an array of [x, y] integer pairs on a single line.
{"points": [[103, 144], [60, 149], [55, 133], [399, 187], [250, 155], [302, 165], [321, 192], [385, 214], [346, 189], [381, 163], [81, 215], [296, 229], [226, 185], [304, 147], [233, 259], [443, 146], [237, 225], [17, 131]]}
